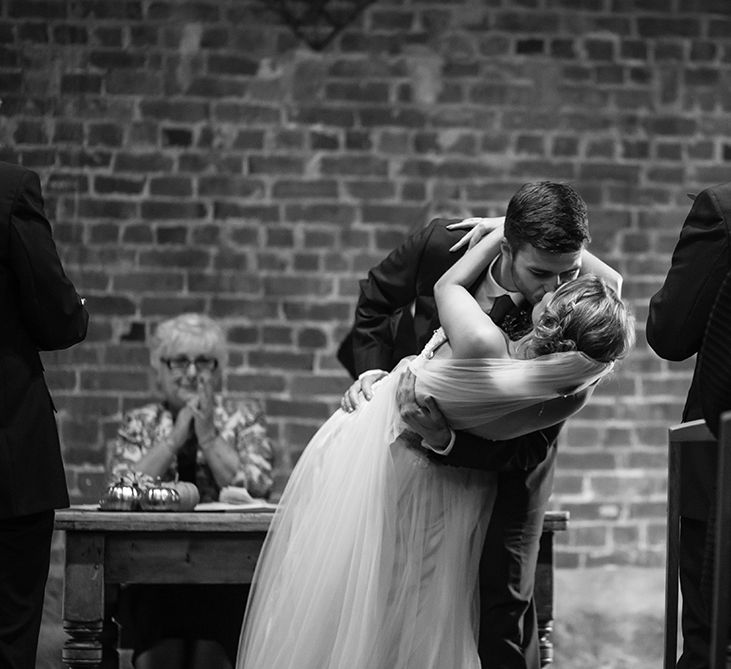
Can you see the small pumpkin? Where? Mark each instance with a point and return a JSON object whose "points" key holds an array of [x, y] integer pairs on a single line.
{"points": [[160, 497], [124, 495], [188, 492]]}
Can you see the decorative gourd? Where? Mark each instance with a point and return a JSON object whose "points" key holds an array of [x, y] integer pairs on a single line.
{"points": [[124, 495], [160, 497], [188, 492]]}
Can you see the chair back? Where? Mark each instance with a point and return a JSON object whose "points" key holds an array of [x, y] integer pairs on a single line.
{"points": [[722, 549], [714, 359], [696, 435]]}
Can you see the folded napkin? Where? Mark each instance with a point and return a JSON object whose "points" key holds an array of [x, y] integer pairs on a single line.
{"points": [[237, 495]]}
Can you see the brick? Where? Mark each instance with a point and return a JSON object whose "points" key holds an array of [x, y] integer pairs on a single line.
{"points": [[181, 111], [224, 282], [106, 208], [37, 9], [526, 22], [652, 27], [305, 189], [182, 12], [171, 186], [81, 84], [165, 210], [33, 32], [148, 282], [133, 82], [30, 132], [259, 383], [320, 213], [123, 186], [66, 182], [168, 307], [69, 34], [210, 87], [330, 311], [177, 137], [142, 162], [103, 233], [246, 114], [381, 190], [230, 186], [137, 234], [324, 141], [190, 258], [232, 65]]}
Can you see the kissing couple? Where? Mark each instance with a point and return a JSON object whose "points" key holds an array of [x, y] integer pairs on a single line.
{"points": [[373, 559]]}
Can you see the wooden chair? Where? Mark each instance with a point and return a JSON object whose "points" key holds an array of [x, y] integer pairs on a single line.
{"points": [[693, 434], [696, 434], [722, 550]]}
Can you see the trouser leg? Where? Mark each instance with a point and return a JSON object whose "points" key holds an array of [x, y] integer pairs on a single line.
{"points": [[694, 617], [25, 548], [508, 636]]}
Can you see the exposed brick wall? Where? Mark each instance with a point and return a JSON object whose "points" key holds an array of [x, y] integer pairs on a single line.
{"points": [[197, 156]]}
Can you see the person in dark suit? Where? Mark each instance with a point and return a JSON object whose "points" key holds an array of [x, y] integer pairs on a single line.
{"points": [[676, 323], [41, 312], [546, 230]]}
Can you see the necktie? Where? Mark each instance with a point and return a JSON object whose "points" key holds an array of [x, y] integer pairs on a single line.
{"points": [[501, 307]]}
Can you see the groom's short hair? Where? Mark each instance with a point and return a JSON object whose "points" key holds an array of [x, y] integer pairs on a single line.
{"points": [[549, 216]]}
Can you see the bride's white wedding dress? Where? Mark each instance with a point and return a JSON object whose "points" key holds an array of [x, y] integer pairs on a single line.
{"points": [[371, 561]]}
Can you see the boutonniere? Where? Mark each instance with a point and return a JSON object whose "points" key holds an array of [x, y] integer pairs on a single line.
{"points": [[517, 324]]}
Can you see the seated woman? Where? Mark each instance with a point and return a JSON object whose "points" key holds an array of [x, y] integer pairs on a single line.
{"points": [[371, 561], [196, 435]]}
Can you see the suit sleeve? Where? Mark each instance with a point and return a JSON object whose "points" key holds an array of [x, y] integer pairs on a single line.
{"points": [[517, 454], [50, 308], [389, 286], [679, 311]]}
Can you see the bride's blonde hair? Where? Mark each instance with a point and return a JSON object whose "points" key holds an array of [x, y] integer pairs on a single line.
{"points": [[585, 315]]}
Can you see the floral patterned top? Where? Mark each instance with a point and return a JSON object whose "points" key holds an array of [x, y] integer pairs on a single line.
{"points": [[240, 423]]}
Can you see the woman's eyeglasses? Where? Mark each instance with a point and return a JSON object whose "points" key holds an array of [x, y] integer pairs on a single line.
{"points": [[182, 363]]}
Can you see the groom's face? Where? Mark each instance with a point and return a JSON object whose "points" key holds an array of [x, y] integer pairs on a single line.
{"points": [[536, 272]]}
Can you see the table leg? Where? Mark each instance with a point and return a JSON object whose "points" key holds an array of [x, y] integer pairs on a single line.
{"points": [[83, 605], [544, 598]]}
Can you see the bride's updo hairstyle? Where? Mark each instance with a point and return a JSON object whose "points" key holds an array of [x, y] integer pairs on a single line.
{"points": [[585, 315]]}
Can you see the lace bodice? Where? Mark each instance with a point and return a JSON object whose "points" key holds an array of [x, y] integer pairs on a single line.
{"points": [[478, 391]]}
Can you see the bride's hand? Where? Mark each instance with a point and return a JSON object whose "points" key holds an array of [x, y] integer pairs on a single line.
{"points": [[477, 228]]}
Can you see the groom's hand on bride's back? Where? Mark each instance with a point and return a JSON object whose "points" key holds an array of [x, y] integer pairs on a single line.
{"points": [[361, 389], [426, 419]]}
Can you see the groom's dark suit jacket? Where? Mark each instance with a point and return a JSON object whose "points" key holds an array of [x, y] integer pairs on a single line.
{"points": [[40, 311], [677, 320], [385, 331]]}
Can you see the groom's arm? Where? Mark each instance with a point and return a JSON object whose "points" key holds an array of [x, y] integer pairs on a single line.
{"points": [[389, 286], [463, 449], [519, 453]]}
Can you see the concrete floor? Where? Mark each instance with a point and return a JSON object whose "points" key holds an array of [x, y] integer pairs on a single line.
{"points": [[607, 618]]}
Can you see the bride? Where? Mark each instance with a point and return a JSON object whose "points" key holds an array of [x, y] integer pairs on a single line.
{"points": [[372, 559]]}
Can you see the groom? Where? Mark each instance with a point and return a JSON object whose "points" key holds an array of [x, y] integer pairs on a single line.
{"points": [[546, 231]]}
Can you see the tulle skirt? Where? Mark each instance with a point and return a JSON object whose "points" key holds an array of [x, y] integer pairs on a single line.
{"points": [[371, 561]]}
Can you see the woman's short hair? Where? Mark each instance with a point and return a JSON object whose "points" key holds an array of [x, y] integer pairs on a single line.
{"points": [[585, 315], [186, 330]]}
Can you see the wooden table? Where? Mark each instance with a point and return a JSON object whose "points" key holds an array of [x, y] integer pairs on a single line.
{"points": [[107, 549]]}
